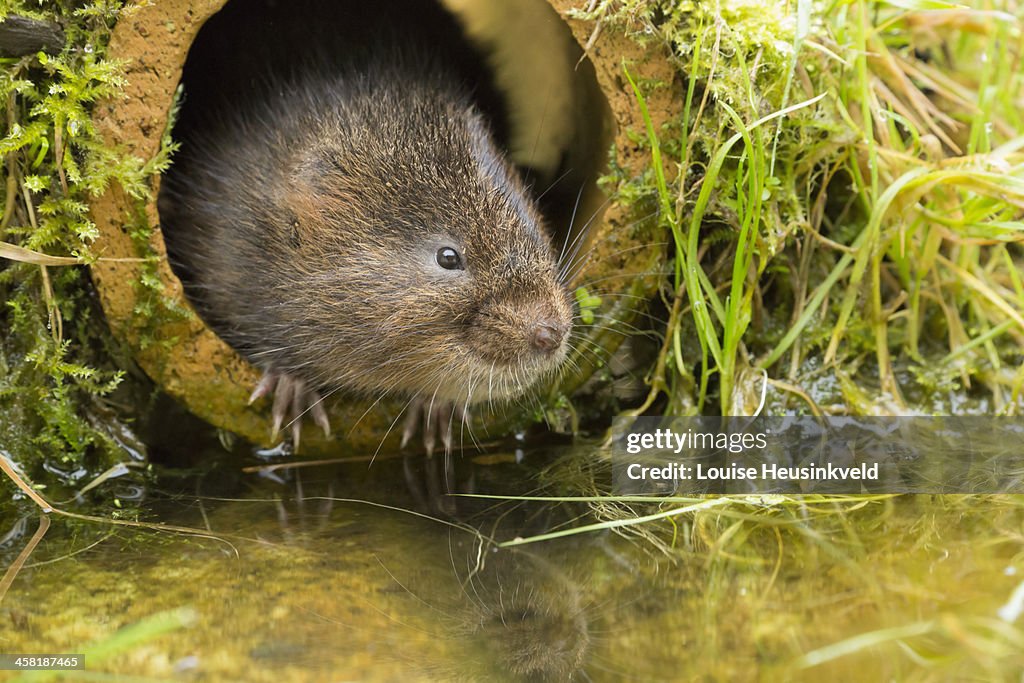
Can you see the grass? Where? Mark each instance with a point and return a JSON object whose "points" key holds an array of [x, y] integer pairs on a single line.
{"points": [[123, 641], [845, 196]]}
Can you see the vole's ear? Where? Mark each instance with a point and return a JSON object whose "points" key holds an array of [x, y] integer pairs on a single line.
{"points": [[313, 212], [321, 189], [324, 168]]}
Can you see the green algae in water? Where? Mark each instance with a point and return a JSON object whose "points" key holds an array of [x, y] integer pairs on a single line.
{"points": [[298, 583]]}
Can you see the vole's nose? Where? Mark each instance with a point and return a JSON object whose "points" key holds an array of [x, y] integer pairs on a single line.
{"points": [[546, 336]]}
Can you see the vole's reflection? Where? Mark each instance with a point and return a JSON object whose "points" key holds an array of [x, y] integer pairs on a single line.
{"points": [[463, 608], [517, 616], [433, 480]]}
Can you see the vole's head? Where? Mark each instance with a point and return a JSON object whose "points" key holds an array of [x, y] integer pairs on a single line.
{"points": [[432, 262]]}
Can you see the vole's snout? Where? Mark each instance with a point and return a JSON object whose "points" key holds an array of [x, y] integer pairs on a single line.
{"points": [[546, 335], [526, 335]]}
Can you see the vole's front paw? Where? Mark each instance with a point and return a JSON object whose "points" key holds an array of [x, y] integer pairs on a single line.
{"points": [[292, 398], [439, 419]]}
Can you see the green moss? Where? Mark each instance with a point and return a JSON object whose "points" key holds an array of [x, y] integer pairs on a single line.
{"points": [[55, 354]]}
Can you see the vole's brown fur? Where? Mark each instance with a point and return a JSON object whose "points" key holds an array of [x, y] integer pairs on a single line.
{"points": [[306, 227]]}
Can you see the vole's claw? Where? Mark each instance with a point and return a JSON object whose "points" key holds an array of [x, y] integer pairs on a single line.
{"points": [[437, 418], [409, 424], [292, 398], [266, 386], [429, 431], [282, 402], [319, 414]]}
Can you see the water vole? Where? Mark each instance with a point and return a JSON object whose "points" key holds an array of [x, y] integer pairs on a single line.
{"points": [[358, 228]]}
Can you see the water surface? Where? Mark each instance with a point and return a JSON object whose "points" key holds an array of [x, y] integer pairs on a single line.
{"points": [[344, 573]]}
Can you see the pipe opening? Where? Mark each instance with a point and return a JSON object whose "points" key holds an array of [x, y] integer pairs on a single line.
{"points": [[523, 68]]}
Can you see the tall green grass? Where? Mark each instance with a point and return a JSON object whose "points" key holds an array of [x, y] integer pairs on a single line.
{"points": [[845, 202]]}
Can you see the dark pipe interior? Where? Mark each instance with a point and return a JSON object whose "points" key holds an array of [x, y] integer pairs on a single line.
{"points": [[250, 44]]}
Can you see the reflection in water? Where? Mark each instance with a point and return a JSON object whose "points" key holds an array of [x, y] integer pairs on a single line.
{"points": [[302, 584], [305, 584], [533, 618], [520, 615], [491, 613]]}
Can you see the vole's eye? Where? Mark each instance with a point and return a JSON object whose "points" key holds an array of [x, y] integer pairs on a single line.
{"points": [[449, 259]]}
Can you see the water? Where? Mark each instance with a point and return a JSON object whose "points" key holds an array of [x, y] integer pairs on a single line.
{"points": [[292, 580]]}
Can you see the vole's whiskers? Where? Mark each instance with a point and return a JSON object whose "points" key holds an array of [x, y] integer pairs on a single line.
{"points": [[617, 276], [588, 347], [566, 260], [366, 412], [464, 417], [572, 220], [635, 311], [576, 259], [257, 354], [415, 398], [540, 126], [553, 183], [579, 267]]}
